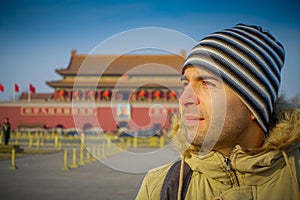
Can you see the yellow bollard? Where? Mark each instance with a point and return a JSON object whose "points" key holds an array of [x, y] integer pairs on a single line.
{"points": [[94, 153], [56, 140], [135, 142], [59, 145], [103, 149], [17, 138], [30, 140], [88, 156], [128, 142], [13, 156], [1, 137], [74, 164], [65, 167], [42, 139], [109, 143], [152, 141], [81, 161], [161, 141], [98, 152], [107, 148], [83, 139], [38, 143]]}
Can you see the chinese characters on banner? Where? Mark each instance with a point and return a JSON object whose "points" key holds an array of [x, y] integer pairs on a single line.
{"points": [[58, 111]]}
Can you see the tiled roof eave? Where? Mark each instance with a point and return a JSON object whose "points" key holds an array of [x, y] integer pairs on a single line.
{"points": [[70, 84]]}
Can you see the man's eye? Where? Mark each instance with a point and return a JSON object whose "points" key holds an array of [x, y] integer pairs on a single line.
{"points": [[184, 83], [208, 83]]}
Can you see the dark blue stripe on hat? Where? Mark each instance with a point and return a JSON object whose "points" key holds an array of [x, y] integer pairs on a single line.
{"points": [[275, 69], [279, 52], [257, 47], [248, 53]]}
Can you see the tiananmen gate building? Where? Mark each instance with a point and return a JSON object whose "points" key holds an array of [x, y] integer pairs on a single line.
{"points": [[104, 90]]}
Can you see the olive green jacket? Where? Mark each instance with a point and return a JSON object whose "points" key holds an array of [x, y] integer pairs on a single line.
{"points": [[271, 172]]}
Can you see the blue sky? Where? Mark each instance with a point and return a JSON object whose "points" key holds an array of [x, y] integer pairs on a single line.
{"points": [[37, 37]]}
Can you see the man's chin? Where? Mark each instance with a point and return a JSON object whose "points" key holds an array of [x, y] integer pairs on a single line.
{"points": [[193, 137], [191, 132]]}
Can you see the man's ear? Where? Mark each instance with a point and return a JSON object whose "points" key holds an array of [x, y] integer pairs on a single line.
{"points": [[252, 116]]}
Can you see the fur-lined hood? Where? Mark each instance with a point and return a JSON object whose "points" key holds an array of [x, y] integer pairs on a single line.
{"points": [[285, 133]]}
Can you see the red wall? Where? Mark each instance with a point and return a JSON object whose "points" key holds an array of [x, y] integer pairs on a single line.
{"points": [[104, 118]]}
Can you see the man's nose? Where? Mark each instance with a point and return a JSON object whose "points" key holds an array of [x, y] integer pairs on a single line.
{"points": [[188, 97]]}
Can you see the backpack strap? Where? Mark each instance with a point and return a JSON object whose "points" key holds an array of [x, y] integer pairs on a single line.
{"points": [[170, 185]]}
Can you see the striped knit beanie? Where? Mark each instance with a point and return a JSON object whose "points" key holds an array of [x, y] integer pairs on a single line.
{"points": [[249, 61]]}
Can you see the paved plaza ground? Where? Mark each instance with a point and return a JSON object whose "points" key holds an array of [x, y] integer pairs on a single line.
{"points": [[41, 177]]}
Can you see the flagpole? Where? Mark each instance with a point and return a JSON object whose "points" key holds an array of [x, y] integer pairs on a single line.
{"points": [[14, 94], [31, 90], [29, 95]]}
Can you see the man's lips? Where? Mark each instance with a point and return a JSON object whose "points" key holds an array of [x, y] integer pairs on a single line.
{"points": [[192, 119]]}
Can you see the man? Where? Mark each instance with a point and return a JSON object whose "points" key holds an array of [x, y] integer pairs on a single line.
{"points": [[230, 150], [6, 131]]}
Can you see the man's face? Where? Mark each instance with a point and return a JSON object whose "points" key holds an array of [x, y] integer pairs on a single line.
{"points": [[209, 108], [123, 110]]}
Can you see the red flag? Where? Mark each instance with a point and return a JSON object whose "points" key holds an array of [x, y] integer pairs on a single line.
{"points": [[31, 88], [16, 88], [1, 88]]}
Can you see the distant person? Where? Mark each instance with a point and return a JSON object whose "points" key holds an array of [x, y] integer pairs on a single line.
{"points": [[6, 131]]}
